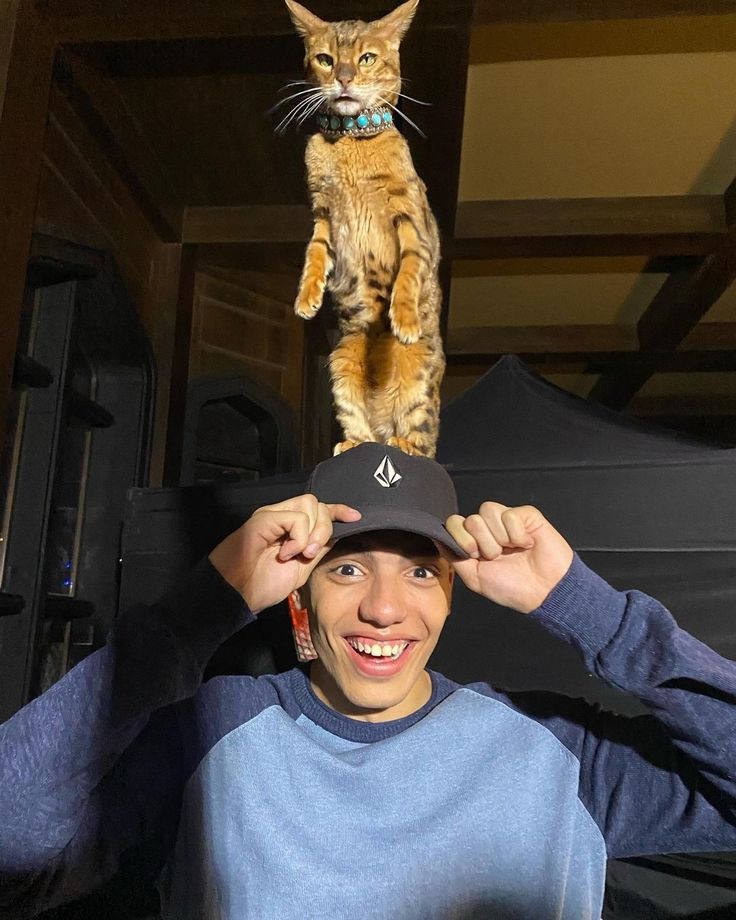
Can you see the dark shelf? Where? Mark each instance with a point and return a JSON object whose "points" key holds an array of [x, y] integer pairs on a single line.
{"points": [[11, 604], [29, 373], [58, 607], [88, 411]]}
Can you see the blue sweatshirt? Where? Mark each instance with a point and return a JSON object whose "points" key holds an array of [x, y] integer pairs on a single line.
{"points": [[264, 803]]}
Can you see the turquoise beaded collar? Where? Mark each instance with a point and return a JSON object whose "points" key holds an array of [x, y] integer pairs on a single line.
{"points": [[365, 124]]}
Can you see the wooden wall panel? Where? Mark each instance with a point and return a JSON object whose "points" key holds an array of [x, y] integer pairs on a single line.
{"points": [[238, 330], [26, 59], [82, 198]]}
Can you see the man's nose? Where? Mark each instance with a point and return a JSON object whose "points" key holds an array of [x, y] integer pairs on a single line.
{"points": [[382, 605], [345, 74]]}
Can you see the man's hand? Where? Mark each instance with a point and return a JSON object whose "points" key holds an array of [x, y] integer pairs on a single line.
{"points": [[274, 552], [517, 555]]}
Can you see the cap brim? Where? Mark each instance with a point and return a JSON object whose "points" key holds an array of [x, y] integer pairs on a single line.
{"points": [[382, 518]]}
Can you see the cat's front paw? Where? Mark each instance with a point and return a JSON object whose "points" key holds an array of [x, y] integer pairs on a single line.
{"points": [[403, 444], [342, 446], [309, 299], [405, 324]]}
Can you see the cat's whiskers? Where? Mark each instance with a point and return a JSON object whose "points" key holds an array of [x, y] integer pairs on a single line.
{"points": [[412, 99], [299, 109], [403, 115], [290, 116], [317, 104], [303, 92]]}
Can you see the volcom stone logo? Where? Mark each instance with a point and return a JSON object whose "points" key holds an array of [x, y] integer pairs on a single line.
{"points": [[387, 475]]}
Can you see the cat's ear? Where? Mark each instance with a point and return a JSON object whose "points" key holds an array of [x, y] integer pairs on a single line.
{"points": [[305, 23], [393, 27]]}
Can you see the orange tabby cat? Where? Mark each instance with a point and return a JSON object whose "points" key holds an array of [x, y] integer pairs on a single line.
{"points": [[375, 244]]}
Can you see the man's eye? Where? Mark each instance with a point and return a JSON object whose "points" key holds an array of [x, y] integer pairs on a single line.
{"points": [[368, 59], [421, 571], [347, 570], [324, 60]]}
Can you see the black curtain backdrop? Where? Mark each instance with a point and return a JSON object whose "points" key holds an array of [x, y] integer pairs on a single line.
{"points": [[645, 508]]}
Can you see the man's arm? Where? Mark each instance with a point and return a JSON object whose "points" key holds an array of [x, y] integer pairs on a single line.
{"points": [[657, 784], [94, 765], [56, 751], [661, 783]]}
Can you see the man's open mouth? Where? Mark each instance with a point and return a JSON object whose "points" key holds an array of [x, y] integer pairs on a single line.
{"points": [[389, 650]]}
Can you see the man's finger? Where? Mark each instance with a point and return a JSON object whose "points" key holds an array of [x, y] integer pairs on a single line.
{"points": [[455, 526], [515, 521], [321, 533], [296, 528], [492, 514], [478, 528], [343, 513]]}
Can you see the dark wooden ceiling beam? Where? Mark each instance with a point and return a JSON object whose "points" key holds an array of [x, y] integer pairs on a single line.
{"points": [[249, 54], [663, 215], [584, 340], [680, 245], [128, 20], [676, 310], [681, 405], [490, 11], [270, 223], [98, 103], [668, 226], [570, 265], [655, 226], [132, 20]]}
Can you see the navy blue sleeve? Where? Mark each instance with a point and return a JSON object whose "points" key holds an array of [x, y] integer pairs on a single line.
{"points": [[92, 766], [663, 783]]}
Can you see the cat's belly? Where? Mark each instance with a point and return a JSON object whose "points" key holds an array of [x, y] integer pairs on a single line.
{"points": [[365, 243]]}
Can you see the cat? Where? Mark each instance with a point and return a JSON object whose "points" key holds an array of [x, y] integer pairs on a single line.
{"points": [[375, 244]]}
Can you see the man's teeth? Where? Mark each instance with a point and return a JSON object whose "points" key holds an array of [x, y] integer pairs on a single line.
{"points": [[378, 650]]}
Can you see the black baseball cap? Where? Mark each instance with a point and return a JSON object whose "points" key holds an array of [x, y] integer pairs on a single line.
{"points": [[391, 489]]}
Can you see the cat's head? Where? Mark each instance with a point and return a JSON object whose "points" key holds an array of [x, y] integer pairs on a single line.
{"points": [[354, 63]]}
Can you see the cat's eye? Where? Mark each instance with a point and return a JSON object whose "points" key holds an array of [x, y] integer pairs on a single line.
{"points": [[324, 60], [368, 59]]}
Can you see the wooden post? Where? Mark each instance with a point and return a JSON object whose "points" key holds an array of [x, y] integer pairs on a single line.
{"points": [[26, 62], [180, 367]]}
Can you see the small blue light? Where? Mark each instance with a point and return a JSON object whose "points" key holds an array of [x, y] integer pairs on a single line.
{"points": [[67, 582], [67, 565]]}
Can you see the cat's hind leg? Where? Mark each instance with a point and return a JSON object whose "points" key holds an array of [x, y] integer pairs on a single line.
{"points": [[349, 372], [413, 397]]}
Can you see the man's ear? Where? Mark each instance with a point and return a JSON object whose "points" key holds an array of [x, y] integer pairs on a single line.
{"points": [[393, 27], [305, 23]]}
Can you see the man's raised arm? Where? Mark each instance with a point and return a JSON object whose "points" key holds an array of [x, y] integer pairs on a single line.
{"points": [[654, 784], [62, 829]]}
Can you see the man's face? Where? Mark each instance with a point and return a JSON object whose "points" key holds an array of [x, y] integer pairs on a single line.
{"points": [[387, 593]]}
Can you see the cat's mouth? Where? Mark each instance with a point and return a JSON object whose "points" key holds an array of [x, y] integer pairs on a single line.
{"points": [[346, 104]]}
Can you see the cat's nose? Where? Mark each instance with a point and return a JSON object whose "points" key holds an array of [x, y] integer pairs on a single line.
{"points": [[345, 74]]}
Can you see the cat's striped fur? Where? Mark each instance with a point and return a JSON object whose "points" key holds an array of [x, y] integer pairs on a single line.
{"points": [[375, 244]]}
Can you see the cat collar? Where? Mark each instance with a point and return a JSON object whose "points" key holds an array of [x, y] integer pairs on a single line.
{"points": [[367, 123]]}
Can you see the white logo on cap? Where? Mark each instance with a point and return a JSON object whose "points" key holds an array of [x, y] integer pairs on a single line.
{"points": [[387, 475]]}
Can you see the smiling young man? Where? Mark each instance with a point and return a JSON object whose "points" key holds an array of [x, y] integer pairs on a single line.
{"points": [[378, 603], [364, 784]]}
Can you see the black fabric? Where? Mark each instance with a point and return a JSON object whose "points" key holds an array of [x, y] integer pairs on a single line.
{"points": [[513, 419], [646, 509]]}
